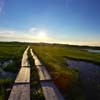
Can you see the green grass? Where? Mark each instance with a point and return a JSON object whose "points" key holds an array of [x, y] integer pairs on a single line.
{"points": [[53, 57], [67, 80], [4, 84], [11, 50], [36, 90], [12, 67], [14, 51]]}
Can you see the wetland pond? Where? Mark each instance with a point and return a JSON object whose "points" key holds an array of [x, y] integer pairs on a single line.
{"points": [[89, 76], [3, 73], [92, 51]]}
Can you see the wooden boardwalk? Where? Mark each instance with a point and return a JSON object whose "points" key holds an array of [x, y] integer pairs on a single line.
{"points": [[23, 76], [25, 58], [21, 87], [20, 92], [49, 88], [50, 91], [37, 61], [43, 73]]}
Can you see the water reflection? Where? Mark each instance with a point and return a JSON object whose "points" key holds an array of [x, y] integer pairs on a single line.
{"points": [[90, 76], [93, 51], [4, 74]]}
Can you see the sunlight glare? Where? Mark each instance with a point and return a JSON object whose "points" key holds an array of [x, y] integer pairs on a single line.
{"points": [[42, 34]]}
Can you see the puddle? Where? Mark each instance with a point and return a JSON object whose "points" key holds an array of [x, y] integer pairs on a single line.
{"points": [[93, 51], [4, 74], [90, 77], [4, 64]]}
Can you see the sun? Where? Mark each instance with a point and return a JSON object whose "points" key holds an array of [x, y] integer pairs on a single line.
{"points": [[42, 35]]}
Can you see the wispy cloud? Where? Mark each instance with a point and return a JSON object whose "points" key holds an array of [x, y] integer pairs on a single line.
{"points": [[1, 5], [31, 35], [33, 29]]}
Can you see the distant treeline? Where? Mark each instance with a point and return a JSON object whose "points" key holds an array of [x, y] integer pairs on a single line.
{"points": [[66, 45], [50, 44], [12, 44]]}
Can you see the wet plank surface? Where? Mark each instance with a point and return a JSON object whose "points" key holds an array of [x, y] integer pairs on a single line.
{"points": [[20, 92]]}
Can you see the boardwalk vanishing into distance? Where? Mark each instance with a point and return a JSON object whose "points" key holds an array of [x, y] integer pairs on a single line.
{"points": [[21, 87], [50, 90], [25, 58]]}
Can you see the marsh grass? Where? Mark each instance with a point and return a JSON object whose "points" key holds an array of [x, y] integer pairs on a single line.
{"points": [[67, 80], [4, 85], [13, 51]]}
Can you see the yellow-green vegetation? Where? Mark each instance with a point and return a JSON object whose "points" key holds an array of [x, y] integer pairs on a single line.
{"points": [[13, 51], [9, 51], [66, 79], [36, 90], [4, 83]]}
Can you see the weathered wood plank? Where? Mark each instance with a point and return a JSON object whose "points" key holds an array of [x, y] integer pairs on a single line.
{"points": [[21, 88], [20, 92], [50, 91], [43, 73], [25, 58], [37, 61], [23, 75], [49, 88]]}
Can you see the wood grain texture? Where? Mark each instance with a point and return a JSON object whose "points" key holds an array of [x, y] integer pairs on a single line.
{"points": [[25, 58], [23, 75], [20, 92], [43, 73], [21, 87], [50, 91]]}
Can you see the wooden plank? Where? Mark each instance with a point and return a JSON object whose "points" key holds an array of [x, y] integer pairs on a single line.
{"points": [[43, 73], [25, 58], [50, 91], [49, 88], [20, 92], [23, 75], [37, 61], [21, 88]]}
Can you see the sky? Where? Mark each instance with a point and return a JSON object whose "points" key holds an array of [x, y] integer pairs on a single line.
{"points": [[59, 21]]}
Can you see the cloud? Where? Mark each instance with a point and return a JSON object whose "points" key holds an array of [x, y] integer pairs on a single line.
{"points": [[32, 36], [1, 5], [28, 36], [33, 29]]}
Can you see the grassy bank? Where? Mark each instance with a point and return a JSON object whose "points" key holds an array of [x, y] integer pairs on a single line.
{"points": [[67, 80], [5, 85], [10, 51]]}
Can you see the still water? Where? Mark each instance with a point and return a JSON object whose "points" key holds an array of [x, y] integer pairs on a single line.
{"points": [[90, 77], [93, 51]]}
